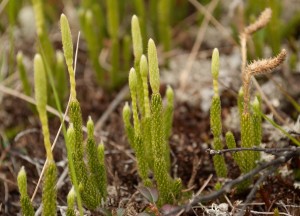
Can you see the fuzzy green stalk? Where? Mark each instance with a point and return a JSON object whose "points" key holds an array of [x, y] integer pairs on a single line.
{"points": [[128, 126], [102, 170], [26, 205], [164, 181], [144, 75], [257, 121], [247, 139], [219, 161], [23, 74], [241, 101], [159, 149], [49, 189], [96, 166], [142, 162], [133, 92], [146, 120], [138, 140], [153, 67], [163, 24], [113, 30], [71, 203], [87, 186], [215, 118], [60, 75], [168, 112], [78, 150], [230, 142], [137, 52], [68, 51], [40, 83]]}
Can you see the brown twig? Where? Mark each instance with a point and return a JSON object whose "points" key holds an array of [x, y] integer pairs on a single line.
{"points": [[266, 150], [286, 156]]}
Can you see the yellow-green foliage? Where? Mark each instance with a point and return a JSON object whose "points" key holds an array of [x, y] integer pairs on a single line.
{"points": [[92, 185], [151, 121], [68, 51], [215, 118], [26, 205], [257, 129], [153, 67], [41, 100], [49, 189]]}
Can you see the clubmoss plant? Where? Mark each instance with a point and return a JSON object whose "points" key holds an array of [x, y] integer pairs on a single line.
{"points": [[250, 114], [91, 190], [49, 188], [215, 118], [26, 205], [149, 134]]}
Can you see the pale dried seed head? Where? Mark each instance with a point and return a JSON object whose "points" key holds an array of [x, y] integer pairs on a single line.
{"points": [[266, 65], [261, 22]]}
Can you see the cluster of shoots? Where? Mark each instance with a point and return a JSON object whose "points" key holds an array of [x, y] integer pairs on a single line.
{"points": [[90, 177], [250, 113], [89, 180], [50, 176], [151, 128]]}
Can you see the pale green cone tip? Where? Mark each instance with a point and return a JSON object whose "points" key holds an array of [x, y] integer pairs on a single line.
{"points": [[144, 66], [90, 126], [241, 92], [132, 80], [255, 104], [66, 40], [136, 37], [71, 196], [70, 129], [89, 16], [59, 57], [19, 57], [215, 64], [170, 94], [153, 67], [40, 83], [126, 109], [22, 181]]}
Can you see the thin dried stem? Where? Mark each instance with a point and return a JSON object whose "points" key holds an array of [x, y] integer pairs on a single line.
{"points": [[259, 67], [261, 22]]}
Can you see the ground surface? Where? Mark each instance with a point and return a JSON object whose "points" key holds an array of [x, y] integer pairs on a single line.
{"points": [[21, 138]]}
